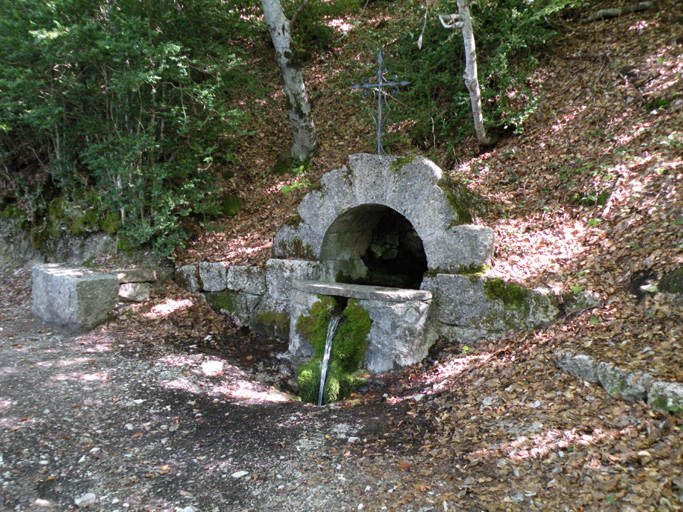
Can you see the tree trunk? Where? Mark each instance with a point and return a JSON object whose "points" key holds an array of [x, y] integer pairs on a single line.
{"points": [[470, 76], [300, 119]]}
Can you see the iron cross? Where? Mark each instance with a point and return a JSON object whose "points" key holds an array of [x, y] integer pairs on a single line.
{"points": [[380, 90]]}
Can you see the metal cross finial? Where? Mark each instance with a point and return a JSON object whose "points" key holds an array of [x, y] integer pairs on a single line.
{"points": [[380, 91]]}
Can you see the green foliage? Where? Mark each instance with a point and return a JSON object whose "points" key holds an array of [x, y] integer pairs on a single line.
{"points": [[124, 98], [311, 33], [347, 354], [507, 34]]}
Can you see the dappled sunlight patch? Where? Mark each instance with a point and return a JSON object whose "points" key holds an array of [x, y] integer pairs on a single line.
{"points": [[340, 24], [251, 393], [64, 362], [8, 370], [181, 384], [562, 122], [440, 378], [6, 404], [168, 307], [540, 445], [16, 423]]}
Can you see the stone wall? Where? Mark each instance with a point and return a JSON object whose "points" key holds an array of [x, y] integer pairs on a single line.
{"points": [[468, 308], [255, 297]]}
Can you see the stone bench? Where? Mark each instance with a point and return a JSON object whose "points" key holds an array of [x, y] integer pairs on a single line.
{"points": [[75, 298]]}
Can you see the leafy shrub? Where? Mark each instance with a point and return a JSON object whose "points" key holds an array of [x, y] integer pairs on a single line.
{"points": [[124, 98]]}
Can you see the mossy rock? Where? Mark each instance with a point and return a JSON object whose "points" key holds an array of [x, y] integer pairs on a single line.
{"points": [[339, 384], [230, 205], [672, 282], [85, 222], [223, 300], [296, 249], [271, 323]]}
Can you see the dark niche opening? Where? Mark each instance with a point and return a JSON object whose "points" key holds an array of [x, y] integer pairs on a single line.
{"points": [[395, 256], [375, 245]]}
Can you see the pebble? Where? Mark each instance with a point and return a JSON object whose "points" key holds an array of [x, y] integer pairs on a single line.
{"points": [[239, 474], [87, 499]]}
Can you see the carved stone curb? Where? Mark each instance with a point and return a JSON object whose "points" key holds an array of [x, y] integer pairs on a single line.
{"points": [[629, 386]]}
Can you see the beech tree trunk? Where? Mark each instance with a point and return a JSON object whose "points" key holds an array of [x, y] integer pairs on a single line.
{"points": [[300, 119], [470, 76]]}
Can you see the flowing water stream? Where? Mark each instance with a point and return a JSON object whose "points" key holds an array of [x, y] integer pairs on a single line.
{"points": [[331, 329]]}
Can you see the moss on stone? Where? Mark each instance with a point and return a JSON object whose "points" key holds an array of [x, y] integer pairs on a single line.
{"points": [[295, 248], [672, 282], [223, 300], [271, 323], [347, 351], [85, 222], [398, 163], [512, 295], [463, 201], [473, 269], [294, 221]]}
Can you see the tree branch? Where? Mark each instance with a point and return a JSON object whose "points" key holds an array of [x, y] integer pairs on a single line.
{"points": [[296, 13]]}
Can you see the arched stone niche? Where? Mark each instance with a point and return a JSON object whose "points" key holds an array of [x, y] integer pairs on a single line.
{"points": [[403, 202]]}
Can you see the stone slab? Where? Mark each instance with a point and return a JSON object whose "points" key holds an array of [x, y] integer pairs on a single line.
{"points": [[136, 275], [666, 397], [357, 291], [75, 298]]}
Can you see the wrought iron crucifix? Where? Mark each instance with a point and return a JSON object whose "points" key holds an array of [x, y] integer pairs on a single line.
{"points": [[380, 90]]}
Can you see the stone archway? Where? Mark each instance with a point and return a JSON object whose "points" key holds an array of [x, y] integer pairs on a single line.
{"points": [[327, 228]]}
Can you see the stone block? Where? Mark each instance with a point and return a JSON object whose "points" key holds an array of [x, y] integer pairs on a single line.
{"points": [[400, 334], [134, 292], [630, 386], [188, 278], [580, 365], [75, 298], [136, 275], [247, 278], [280, 273], [212, 276], [490, 306], [666, 397]]}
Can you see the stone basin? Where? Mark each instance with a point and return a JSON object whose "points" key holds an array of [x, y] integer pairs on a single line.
{"points": [[399, 335]]}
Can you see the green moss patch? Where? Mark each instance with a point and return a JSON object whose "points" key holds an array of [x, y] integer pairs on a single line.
{"points": [[224, 300], [272, 323], [346, 356], [672, 282], [297, 249], [464, 202], [512, 295]]}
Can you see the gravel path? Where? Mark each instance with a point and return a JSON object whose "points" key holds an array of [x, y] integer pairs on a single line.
{"points": [[86, 423]]}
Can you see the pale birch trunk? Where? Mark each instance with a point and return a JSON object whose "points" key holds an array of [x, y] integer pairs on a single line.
{"points": [[300, 119], [470, 76]]}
